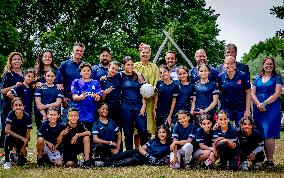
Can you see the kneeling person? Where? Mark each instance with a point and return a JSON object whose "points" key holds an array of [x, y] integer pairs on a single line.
{"points": [[47, 138]]}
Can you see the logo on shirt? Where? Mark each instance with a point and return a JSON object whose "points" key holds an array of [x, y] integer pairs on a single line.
{"points": [[239, 82], [93, 87]]}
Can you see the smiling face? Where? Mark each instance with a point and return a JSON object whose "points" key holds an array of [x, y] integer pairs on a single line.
{"points": [[183, 75], [200, 57], [86, 72], [49, 77], [170, 59], [105, 58], [223, 121], [203, 72], [18, 106], [162, 134], [16, 61], [47, 58], [206, 125], [29, 77], [145, 54], [78, 52], [246, 126], [183, 119], [103, 110], [268, 65], [113, 69], [230, 64], [73, 117], [128, 66], [231, 52], [52, 116], [164, 74]]}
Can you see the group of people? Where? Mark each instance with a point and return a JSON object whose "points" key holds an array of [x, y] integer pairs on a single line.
{"points": [[194, 118]]}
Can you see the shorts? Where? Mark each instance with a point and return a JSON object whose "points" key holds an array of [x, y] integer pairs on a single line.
{"points": [[52, 156]]}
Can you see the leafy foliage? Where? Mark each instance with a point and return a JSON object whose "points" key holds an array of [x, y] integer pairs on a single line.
{"points": [[279, 12]]}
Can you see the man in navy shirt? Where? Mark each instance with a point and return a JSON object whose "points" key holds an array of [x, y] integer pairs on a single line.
{"points": [[171, 61], [101, 69], [200, 59], [231, 50], [70, 71]]}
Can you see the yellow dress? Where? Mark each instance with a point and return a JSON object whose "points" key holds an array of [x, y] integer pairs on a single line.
{"points": [[150, 72]]}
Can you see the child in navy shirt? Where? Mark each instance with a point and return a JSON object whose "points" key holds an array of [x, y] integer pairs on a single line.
{"points": [[24, 91], [204, 141], [86, 93], [106, 134], [165, 100], [183, 136], [251, 144], [48, 95], [47, 139], [225, 142], [154, 152], [17, 129]]}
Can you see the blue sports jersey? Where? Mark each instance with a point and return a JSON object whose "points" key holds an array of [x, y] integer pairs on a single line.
{"points": [[49, 133], [204, 95], [194, 75], [232, 91], [203, 137], [130, 89], [19, 126], [166, 93], [231, 133], [107, 131], [181, 133], [240, 67], [88, 106], [115, 94], [27, 96], [157, 149], [184, 97], [58, 77], [70, 71], [98, 71], [250, 142], [48, 94]]}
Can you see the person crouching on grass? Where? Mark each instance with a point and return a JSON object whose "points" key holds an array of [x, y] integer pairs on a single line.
{"points": [[47, 138], [225, 141], [106, 134], [17, 129], [74, 137]]}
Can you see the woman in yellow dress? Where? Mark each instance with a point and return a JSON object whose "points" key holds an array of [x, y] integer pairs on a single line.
{"points": [[150, 71]]}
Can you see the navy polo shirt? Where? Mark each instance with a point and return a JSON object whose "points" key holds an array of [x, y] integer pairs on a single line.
{"points": [[184, 96], [79, 128], [26, 94], [58, 77], [231, 133], [9, 79], [240, 67], [107, 131], [130, 89], [194, 75], [115, 82], [98, 71], [204, 95], [166, 93], [203, 137], [70, 71], [181, 133], [232, 91], [49, 133], [157, 149], [48, 94], [19, 126], [252, 141]]}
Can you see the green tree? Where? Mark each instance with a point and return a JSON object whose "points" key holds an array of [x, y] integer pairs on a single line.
{"points": [[279, 12]]}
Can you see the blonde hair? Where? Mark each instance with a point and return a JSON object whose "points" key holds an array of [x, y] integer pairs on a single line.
{"points": [[8, 65]]}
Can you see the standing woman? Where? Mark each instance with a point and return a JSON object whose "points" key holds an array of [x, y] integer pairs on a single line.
{"points": [[11, 77], [150, 72], [235, 93], [44, 63], [133, 106], [266, 92]]}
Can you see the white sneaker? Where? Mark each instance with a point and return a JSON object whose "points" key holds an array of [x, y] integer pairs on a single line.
{"points": [[245, 166], [7, 165]]}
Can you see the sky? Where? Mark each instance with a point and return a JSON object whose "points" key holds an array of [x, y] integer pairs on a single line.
{"points": [[246, 22]]}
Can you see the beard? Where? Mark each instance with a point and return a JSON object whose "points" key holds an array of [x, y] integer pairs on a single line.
{"points": [[105, 62]]}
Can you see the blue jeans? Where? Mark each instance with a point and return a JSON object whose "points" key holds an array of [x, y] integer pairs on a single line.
{"points": [[235, 116], [130, 114]]}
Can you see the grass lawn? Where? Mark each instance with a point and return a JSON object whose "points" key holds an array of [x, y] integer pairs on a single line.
{"points": [[31, 169]]}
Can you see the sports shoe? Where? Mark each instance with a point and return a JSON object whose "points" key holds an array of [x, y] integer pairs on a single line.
{"points": [[87, 165], [269, 164], [257, 165], [7, 165], [13, 157], [99, 163], [40, 162], [245, 166]]}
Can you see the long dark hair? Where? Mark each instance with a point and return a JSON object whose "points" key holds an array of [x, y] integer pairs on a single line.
{"points": [[39, 66], [125, 60], [187, 71], [264, 60], [166, 128]]}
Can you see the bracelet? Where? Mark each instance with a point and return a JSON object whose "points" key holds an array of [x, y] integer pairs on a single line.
{"points": [[110, 143], [264, 104]]}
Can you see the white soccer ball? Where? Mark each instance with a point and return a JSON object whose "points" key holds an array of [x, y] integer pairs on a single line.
{"points": [[147, 90]]}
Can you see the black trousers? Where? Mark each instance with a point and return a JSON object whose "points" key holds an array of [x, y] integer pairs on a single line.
{"points": [[11, 142], [245, 151], [227, 154]]}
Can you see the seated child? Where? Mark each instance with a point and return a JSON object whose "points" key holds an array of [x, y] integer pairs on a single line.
{"points": [[251, 144], [106, 134], [154, 152], [17, 129], [76, 139], [47, 139], [204, 141], [225, 142], [183, 136]]}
